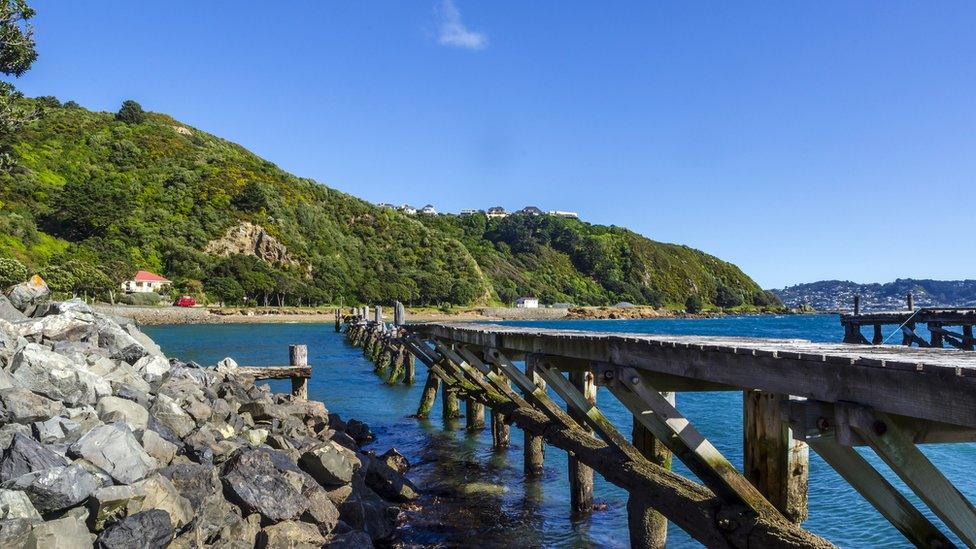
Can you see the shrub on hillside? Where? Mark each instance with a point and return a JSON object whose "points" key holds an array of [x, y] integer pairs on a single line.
{"points": [[131, 113], [12, 272], [693, 304], [142, 299]]}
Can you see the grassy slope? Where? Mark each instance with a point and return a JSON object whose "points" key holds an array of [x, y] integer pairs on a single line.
{"points": [[168, 194]]}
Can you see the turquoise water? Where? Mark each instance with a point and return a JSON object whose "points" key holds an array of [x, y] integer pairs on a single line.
{"points": [[477, 496]]}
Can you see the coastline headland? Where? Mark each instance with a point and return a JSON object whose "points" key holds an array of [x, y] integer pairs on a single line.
{"points": [[107, 440]]}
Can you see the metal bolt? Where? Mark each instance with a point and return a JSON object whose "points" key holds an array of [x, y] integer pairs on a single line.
{"points": [[608, 375], [823, 424], [880, 427], [635, 380]]}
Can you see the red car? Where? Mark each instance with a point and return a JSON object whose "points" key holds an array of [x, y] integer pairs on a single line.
{"points": [[186, 301]]}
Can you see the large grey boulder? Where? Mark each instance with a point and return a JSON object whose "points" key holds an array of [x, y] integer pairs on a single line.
{"points": [[158, 447], [8, 312], [252, 481], [108, 503], [15, 532], [26, 295], [196, 482], [72, 326], [117, 372], [55, 376], [57, 430], [111, 409], [117, 341], [389, 483], [292, 535], [26, 455], [15, 504], [152, 365], [160, 493], [21, 405], [327, 464], [65, 533], [115, 449], [55, 488], [146, 530], [168, 412]]}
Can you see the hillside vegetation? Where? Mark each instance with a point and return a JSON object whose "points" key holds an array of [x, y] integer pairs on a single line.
{"points": [[838, 295], [94, 196]]}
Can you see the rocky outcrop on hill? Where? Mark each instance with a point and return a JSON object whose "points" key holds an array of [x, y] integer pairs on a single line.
{"points": [[105, 441], [249, 239]]}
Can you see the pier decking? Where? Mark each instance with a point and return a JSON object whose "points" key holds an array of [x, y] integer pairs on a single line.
{"points": [[797, 395], [936, 319]]}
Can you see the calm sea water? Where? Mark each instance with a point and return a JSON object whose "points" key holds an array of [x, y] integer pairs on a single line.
{"points": [[476, 496]]}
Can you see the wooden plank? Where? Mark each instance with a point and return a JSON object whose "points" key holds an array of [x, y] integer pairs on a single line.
{"points": [[816, 420], [881, 494], [776, 464], [275, 372], [685, 441], [924, 478], [534, 395]]}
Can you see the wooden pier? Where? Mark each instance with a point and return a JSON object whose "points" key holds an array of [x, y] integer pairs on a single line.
{"points": [[797, 396], [938, 320]]}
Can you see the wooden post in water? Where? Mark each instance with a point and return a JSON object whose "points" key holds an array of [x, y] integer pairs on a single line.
{"points": [[774, 463], [648, 528], [911, 301], [450, 406], [857, 304], [429, 395], [500, 431], [298, 356], [937, 340], [399, 314], [338, 320], [534, 447], [581, 476], [378, 314], [474, 412], [410, 366], [877, 339]]}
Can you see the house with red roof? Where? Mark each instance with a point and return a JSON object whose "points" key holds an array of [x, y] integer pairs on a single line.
{"points": [[145, 282]]}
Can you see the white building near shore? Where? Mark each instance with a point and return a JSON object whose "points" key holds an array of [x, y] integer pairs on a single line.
{"points": [[145, 282], [527, 302]]}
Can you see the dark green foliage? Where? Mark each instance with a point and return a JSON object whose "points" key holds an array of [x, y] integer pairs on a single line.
{"points": [[11, 272], [131, 113], [142, 298], [727, 297], [693, 304], [17, 52]]}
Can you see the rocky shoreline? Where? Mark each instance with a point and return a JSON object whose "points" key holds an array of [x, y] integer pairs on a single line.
{"points": [[106, 442]]}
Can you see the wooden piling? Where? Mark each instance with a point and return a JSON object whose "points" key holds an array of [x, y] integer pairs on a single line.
{"points": [[857, 304], [450, 406], [298, 356], [409, 366], [474, 413], [580, 475], [500, 432], [378, 314], [878, 338], [428, 396], [399, 314], [911, 301], [648, 528], [534, 448], [774, 463]]}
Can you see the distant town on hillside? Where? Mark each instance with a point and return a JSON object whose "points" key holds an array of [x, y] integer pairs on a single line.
{"points": [[491, 213], [838, 295]]}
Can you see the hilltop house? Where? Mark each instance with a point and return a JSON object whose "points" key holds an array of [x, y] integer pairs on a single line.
{"points": [[429, 209], [408, 209], [145, 282], [558, 213], [530, 210], [386, 206], [469, 212], [527, 303], [496, 211]]}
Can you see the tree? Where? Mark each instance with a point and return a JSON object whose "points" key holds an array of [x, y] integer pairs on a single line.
{"points": [[89, 208], [225, 289], [131, 113], [727, 297], [693, 304], [17, 54], [253, 198], [12, 272]]}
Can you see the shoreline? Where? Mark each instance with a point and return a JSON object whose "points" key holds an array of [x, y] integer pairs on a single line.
{"points": [[162, 316]]}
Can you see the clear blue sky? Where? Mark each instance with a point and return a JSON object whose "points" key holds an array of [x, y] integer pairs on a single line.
{"points": [[801, 141]]}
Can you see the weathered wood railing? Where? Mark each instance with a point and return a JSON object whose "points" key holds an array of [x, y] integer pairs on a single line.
{"points": [[298, 371]]}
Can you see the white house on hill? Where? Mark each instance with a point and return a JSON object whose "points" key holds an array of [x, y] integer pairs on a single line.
{"points": [[145, 282], [527, 303], [429, 209]]}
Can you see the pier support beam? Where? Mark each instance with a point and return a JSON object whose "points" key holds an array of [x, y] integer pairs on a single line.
{"points": [[534, 447], [474, 413], [298, 356], [581, 476], [774, 463], [499, 427], [429, 395], [450, 405], [648, 528]]}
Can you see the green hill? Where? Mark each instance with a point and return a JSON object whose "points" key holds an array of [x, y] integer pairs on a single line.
{"points": [[110, 193]]}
